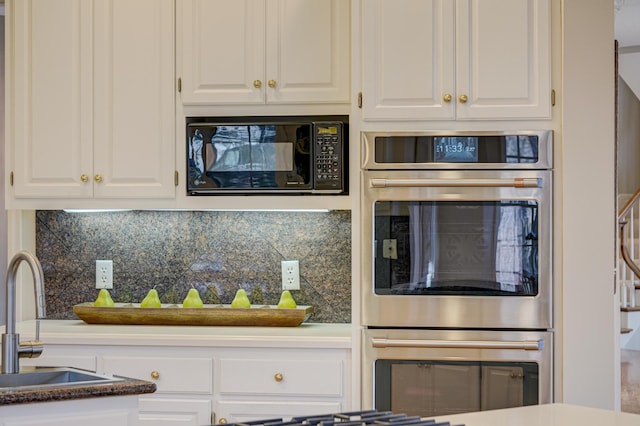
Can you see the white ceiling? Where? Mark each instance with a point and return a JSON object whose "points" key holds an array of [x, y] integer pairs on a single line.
{"points": [[627, 32]]}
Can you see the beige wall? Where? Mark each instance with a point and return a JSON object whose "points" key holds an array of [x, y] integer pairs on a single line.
{"points": [[588, 359], [3, 212]]}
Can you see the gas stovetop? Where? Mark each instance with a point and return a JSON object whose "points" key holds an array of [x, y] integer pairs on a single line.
{"points": [[354, 418]]}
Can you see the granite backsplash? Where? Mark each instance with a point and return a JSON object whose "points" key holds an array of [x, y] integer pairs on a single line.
{"points": [[216, 252]]}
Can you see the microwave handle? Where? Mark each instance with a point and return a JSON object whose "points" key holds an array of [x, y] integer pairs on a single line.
{"points": [[527, 345], [424, 183]]}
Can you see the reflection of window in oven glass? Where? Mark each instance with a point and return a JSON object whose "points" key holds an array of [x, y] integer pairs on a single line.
{"points": [[519, 248], [466, 248], [521, 149], [430, 388], [196, 161]]}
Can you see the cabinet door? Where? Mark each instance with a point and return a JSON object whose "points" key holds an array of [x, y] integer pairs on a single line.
{"points": [[408, 59], [308, 50], [222, 48], [498, 68], [503, 59], [49, 90], [134, 112], [108, 411]]}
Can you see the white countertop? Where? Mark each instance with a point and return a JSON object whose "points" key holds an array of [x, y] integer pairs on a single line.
{"points": [[306, 335], [545, 415]]}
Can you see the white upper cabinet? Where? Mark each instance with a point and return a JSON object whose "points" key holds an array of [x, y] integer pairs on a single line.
{"points": [[462, 59], [264, 51], [134, 104], [49, 91], [91, 106]]}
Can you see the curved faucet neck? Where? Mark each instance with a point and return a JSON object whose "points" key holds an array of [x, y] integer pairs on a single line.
{"points": [[38, 282], [10, 340]]}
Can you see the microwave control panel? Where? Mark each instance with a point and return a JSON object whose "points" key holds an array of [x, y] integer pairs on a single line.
{"points": [[329, 156]]}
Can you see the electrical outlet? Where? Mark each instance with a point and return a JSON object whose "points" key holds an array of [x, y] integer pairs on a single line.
{"points": [[104, 274], [290, 275]]}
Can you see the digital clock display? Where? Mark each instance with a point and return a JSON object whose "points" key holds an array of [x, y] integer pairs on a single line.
{"points": [[455, 149], [329, 130]]}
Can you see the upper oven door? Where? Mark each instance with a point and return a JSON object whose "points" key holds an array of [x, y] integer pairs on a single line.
{"points": [[457, 150], [466, 249]]}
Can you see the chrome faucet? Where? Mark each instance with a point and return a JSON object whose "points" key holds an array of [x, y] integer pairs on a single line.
{"points": [[12, 349]]}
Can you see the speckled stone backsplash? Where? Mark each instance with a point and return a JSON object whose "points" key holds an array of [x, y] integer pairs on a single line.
{"points": [[215, 252]]}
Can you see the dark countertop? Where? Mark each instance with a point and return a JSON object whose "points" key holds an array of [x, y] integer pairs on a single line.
{"points": [[52, 393]]}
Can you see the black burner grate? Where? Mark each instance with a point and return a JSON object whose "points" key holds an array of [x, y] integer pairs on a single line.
{"points": [[354, 418]]}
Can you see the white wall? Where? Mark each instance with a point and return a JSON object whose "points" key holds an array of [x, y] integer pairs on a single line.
{"points": [[629, 67], [588, 326], [628, 150]]}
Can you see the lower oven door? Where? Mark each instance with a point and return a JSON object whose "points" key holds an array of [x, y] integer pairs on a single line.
{"points": [[437, 372], [457, 249]]}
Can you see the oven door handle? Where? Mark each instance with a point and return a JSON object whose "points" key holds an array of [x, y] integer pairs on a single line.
{"points": [[494, 183], [527, 345]]}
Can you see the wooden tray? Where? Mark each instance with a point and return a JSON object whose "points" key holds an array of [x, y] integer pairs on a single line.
{"points": [[213, 315]]}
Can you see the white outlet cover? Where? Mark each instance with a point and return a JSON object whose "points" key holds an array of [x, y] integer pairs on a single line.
{"points": [[104, 274], [290, 275]]}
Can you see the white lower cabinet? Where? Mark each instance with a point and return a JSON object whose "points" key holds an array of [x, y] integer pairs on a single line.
{"points": [[171, 374], [103, 411], [159, 411], [278, 383], [64, 356], [204, 385], [183, 378]]}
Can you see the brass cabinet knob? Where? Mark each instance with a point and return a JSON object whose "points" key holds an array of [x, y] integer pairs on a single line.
{"points": [[272, 84], [278, 377], [155, 375], [84, 178], [447, 97], [257, 84], [222, 421], [98, 178], [463, 99]]}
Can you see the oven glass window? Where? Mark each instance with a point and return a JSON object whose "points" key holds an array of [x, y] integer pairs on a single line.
{"points": [[437, 388], [465, 248], [457, 149]]}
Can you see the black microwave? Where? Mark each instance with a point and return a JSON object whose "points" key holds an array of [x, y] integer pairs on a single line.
{"points": [[267, 155]]}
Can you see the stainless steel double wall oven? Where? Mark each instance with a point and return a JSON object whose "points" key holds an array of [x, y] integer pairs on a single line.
{"points": [[457, 276]]}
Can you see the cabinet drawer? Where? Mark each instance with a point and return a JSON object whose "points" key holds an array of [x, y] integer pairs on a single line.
{"points": [[177, 375], [82, 362], [281, 377]]}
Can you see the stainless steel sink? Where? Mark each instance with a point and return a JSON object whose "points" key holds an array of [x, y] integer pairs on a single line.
{"points": [[53, 377]]}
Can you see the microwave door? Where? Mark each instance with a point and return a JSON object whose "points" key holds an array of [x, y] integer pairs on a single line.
{"points": [[241, 158]]}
